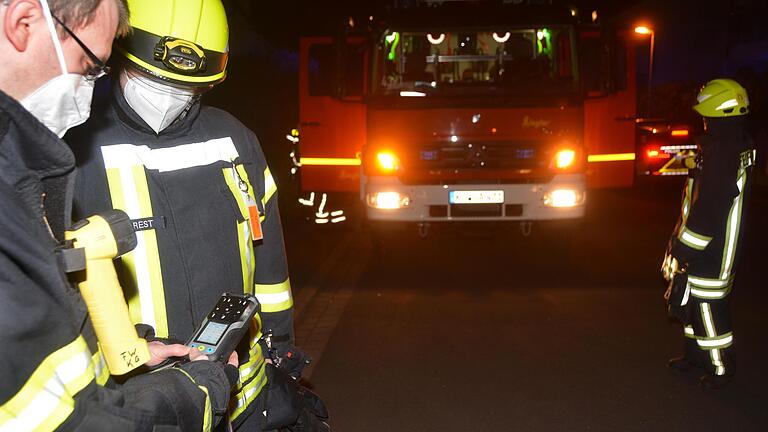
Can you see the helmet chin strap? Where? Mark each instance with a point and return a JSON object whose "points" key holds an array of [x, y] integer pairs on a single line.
{"points": [[54, 36]]}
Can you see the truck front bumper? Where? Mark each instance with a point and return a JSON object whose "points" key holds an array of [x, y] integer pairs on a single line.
{"points": [[562, 198]]}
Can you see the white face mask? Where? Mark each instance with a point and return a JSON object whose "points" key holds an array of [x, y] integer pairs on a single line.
{"points": [[156, 103], [65, 101]]}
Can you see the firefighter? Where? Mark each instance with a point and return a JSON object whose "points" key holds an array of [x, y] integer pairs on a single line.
{"points": [[197, 187], [53, 373], [703, 252]]}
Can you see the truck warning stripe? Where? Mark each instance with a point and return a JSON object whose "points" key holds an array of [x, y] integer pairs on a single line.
{"points": [[330, 161], [612, 157]]}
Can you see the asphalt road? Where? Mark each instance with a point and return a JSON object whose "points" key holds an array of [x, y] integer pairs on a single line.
{"points": [[491, 331]]}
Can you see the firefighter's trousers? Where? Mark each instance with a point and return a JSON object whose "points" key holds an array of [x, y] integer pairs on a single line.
{"points": [[709, 335]]}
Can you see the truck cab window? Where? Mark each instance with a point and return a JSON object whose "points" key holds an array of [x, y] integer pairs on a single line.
{"points": [[512, 61], [323, 69]]}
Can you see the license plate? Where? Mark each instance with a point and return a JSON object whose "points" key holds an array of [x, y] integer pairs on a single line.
{"points": [[477, 197]]}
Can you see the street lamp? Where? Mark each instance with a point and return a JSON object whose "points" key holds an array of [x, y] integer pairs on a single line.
{"points": [[645, 30]]}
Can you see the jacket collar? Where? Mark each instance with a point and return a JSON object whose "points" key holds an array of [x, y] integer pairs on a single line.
{"points": [[26, 141], [133, 121]]}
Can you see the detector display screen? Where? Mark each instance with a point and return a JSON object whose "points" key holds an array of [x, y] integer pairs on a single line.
{"points": [[212, 333]]}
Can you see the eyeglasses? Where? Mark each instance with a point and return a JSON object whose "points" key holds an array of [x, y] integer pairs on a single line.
{"points": [[100, 68]]}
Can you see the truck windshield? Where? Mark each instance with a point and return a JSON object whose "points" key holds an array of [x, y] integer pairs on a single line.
{"points": [[525, 62]]}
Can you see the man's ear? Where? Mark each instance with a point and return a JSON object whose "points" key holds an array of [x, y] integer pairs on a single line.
{"points": [[16, 23]]}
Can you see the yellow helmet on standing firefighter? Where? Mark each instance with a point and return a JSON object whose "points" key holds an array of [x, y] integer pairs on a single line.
{"points": [[182, 42], [722, 98]]}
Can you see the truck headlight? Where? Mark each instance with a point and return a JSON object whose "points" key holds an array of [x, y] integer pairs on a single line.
{"points": [[388, 200], [563, 198]]}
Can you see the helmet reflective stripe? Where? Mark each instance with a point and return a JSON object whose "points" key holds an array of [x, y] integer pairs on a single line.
{"points": [[730, 103], [702, 97]]}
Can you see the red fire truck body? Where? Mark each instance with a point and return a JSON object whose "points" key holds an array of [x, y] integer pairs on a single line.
{"points": [[504, 113]]}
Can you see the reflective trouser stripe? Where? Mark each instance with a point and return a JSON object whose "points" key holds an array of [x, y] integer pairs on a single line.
{"points": [[47, 398], [687, 199], [146, 301], [713, 342], [709, 282], [693, 239], [276, 297], [689, 333], [709, 289], [245, 244], [207, 417], [710, 294], [732, 228]]}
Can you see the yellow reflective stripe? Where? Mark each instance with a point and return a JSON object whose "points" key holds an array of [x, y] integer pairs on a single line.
{"points": [[100, 370], [252, 370], [116, 192], [207, 423], [47, 398], [256, 360], [256, 331], [244, 175], [693, 240], [275, 297], [152, 256], [689, 333], [732, 228], [248, 394], [231, 178], [270, 187], [245, 245], [146, 299]]}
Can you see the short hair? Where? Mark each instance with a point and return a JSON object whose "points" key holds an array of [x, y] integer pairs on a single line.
{"points": [[78, 13]]}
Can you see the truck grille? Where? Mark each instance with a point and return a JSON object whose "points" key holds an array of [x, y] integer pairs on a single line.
{"points": [[481, 162]]}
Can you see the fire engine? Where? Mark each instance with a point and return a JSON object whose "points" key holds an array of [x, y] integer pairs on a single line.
{"points": [[466, 112]]}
